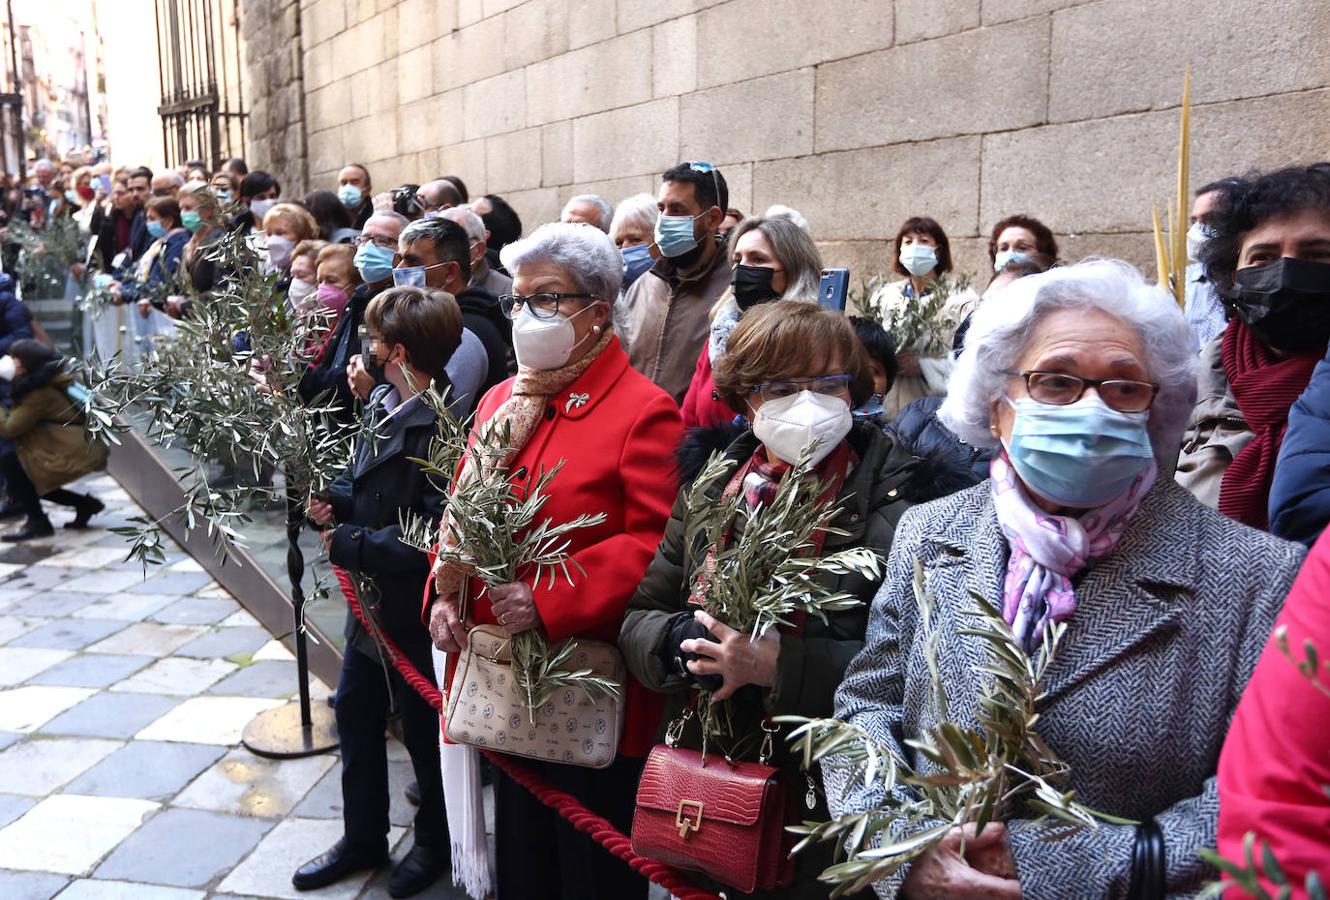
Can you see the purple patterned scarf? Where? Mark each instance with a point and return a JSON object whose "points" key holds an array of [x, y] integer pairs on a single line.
{"points": [[1047, 550]]}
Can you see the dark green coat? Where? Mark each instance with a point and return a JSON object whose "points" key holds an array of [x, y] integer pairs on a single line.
{"points": [[811, 664]]}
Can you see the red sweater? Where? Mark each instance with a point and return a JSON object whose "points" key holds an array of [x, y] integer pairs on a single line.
{"points": [[1275, 766], [699, 408]]}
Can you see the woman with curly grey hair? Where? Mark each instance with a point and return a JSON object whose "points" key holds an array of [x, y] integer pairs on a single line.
{"points": [[1081, 380]]}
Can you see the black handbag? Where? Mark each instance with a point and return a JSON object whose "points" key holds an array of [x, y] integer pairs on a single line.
{"points": [[1148, 864]]}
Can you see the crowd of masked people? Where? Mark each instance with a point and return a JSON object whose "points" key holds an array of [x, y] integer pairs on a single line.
{"points": [[1076, 449]]}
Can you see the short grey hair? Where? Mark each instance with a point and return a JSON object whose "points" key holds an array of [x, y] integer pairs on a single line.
{"points": [[175, 177], [1001, 328], [777, 210], [640, 209], [472, 224], [583, 251], [604, 206]]}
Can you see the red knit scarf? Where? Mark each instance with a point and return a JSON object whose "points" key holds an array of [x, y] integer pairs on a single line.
{"points": [[1264, 387]]}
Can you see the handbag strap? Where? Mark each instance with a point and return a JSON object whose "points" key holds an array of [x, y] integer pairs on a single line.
{"points": [[1148, 864]]}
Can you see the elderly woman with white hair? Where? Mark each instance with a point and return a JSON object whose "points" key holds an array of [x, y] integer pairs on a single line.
{"points": [[577, 403], [632, 230], [1081, 379]]}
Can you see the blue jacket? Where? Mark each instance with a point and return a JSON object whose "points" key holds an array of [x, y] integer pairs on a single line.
{"points": [[948, 464], [1300, 492], [15, 317], [163, 271]]}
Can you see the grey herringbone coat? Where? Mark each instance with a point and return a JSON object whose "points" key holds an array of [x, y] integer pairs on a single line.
{"points": [[1166, 632]]}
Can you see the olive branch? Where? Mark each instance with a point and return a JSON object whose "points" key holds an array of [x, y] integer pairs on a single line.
{"points": [[496, 538], [966, 775]]}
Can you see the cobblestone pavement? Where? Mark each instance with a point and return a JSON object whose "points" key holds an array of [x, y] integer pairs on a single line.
{"points": [[122, 701]]}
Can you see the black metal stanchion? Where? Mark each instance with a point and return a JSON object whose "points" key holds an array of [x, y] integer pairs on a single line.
{"points": [[296, 729]]}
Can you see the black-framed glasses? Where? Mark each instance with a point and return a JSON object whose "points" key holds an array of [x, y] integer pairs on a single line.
{"points": [[1061, 389], [361, 240], [826, 385], [544, 305]]}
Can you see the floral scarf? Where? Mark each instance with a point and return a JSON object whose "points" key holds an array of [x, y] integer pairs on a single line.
{"points": [[1047, 551]]}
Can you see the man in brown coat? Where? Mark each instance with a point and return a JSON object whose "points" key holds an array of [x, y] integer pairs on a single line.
{"points": [[665, 315]]}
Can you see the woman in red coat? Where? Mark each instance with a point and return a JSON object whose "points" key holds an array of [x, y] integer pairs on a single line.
{"points": [[1274, 770], [577, 401]]}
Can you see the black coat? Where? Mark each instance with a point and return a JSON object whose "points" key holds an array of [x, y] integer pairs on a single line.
{"points": [[946, 463], [15, 317], [381, 484], [481, 314]]}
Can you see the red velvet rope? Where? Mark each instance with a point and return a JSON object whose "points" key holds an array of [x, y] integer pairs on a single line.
{"points": [[565, 804]]}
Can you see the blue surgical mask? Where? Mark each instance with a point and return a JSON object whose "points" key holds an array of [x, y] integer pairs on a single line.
{"points": [[156, 229], [350, 195], [72, 196], [636, 260], [674, 235], [374, 263], [1008, 256], [224, 198], [918, 259], [1083, 454]]}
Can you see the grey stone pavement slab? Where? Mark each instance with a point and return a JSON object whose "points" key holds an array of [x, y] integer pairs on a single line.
{"points": [[122, 701]]}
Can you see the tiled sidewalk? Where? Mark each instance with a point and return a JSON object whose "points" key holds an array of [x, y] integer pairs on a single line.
{"points": [[122, 702]]}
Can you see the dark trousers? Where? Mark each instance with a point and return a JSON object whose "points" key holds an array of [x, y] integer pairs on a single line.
{"points": [[364, 700], [542, 857], [24, 493]]}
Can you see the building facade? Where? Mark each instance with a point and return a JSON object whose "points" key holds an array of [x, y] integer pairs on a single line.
{"points": [[858, 113]]}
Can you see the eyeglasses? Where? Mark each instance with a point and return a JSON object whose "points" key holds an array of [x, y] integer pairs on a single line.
{"points": [[544, 305], [1060, 389], [361, 240], [826, 385], [708, 168]]}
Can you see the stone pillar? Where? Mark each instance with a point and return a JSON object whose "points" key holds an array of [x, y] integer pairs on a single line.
{"points": [[275, 91]]}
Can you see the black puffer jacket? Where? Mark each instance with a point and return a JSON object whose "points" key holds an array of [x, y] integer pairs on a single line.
{"points": [[946, 463]]}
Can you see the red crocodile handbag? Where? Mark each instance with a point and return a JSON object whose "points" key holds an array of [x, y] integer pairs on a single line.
{"points": [[709, 815]]}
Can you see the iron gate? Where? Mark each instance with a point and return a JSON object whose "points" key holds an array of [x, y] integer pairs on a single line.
{"points": [[198, 60]]}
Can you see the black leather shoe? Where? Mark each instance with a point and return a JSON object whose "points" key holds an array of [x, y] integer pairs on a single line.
{"points": [[418, 870], [339, 862], [85, 511], [413, 793], [31, 529]]}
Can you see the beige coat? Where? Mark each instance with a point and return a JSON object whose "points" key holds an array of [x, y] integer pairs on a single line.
{"points": [[48, 431], [1216, 432], [664, 321]]}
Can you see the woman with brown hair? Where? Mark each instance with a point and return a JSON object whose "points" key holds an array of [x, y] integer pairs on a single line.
{"points": [[794, 371], [924, 307]]}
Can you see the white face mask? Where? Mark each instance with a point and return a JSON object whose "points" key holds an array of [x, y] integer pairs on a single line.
{"points": [[788, 425], [260, 208], [918, 259], [8, 369], [1197, 235], [300, 291], [544, 344], [279, 251]]}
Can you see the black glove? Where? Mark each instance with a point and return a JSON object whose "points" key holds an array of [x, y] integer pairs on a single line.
{"points": [[684, 627]]}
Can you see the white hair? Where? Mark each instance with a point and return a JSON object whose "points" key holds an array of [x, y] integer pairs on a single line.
{"points": [[472, 224], [640, 210], [1002, 327], [777, 211], [176, 178], [604, 206], [583, 251]]}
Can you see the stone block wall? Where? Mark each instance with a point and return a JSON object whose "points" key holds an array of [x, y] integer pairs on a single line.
{"points": [[859, 113], [274, 90]]}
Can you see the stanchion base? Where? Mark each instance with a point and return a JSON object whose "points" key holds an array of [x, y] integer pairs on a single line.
{"points": [[278, 734]]}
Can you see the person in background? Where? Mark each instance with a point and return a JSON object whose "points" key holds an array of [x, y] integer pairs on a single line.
{"points": [[1269, 256], [463, 195], [1204, 308], [732, 218], [225, 189], [631, 229], [1273, 769], [667, 311], [591, 209], [115, 234], [881, 353], [788, 363], [258, 194], [236, 168], [772, 259], [1080, 380], [779, 210], [155, 275], [140, 189], [202, 217], [356, 192], [502, 223], [326, 377], [286, 225], [333, 219], [922, 254], [1021, 237], [300, 295], [196, 171], [412, 332], [47, 445], [1017, 267], [167, 184], [437, 195], [616, 454], [482, 276]]}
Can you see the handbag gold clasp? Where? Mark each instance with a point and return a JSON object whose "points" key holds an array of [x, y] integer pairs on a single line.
{"points": [[691, 820]]}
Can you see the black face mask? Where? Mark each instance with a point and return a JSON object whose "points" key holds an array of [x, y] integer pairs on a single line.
{"points": [[1286, 304], [752, 285]]}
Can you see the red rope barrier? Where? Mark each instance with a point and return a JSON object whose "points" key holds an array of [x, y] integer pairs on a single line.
{"points": [[598, 827]]}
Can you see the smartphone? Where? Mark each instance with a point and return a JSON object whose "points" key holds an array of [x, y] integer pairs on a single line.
{"points": [[105, 182], [832, 291]]}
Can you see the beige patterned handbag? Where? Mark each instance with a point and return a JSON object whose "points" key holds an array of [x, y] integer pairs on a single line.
{"points": [[484, 709]]}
